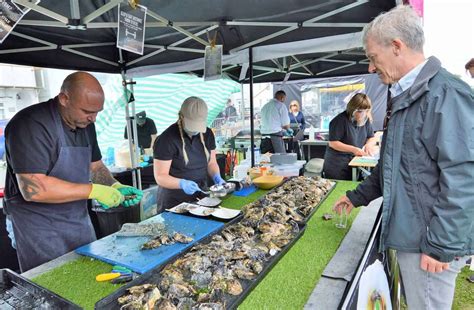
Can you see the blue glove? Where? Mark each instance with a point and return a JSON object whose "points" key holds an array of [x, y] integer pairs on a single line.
{"points": [[9, 226], [289, 132], [189, 187], [217, 179]]}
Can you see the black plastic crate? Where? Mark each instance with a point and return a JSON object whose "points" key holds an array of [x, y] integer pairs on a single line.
{"points": [[231, 302], [315, 208], [16, 292]]}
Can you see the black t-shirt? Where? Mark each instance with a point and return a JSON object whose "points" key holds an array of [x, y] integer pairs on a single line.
{"points": [[144, 133], [169, 146], [342, 129], [32, 142]]}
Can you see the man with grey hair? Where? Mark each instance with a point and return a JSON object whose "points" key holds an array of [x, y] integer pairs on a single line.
{"points": [[426, 169]]}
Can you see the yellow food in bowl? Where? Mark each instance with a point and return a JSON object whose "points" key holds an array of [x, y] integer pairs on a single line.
{"points": [[255, 173], [268, 181]]}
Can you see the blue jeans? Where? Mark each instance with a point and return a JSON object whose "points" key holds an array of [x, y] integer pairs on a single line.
{"points": [[9, 227], [426, 290]]}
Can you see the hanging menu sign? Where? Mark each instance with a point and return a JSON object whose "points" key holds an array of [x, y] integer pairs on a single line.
{"points": [[10, 15], [131, 28], [213, 62]]}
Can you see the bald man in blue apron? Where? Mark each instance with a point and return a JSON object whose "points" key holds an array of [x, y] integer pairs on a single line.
{"points": [[52, 153]]}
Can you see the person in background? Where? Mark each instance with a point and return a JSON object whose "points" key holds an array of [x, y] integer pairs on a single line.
{"points": [[350, 134], [297, 121], [52, 153], [230, 112], [184, 156], [470, 67], [426, 168], [275, 123], [146, 131], [297, 124]]}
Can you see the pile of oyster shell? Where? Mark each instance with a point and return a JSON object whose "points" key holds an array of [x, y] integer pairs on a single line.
{"points": [[209, 275]]}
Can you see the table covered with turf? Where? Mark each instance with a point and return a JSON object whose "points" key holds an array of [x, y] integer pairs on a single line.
{"points": [[287, 286]]}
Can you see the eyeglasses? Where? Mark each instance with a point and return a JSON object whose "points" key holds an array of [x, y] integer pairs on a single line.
{"points": [[361, 110], [293, 105]]}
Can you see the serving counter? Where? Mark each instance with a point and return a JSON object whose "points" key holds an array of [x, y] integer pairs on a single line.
{"points": [[288, 285]]}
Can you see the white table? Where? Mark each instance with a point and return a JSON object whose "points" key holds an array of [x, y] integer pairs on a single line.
{"points": [[312, 142], [364, 164]]}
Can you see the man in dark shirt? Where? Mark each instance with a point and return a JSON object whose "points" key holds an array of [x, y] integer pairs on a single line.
{"points": [[52, 153], [230, 112], [146, 131]]}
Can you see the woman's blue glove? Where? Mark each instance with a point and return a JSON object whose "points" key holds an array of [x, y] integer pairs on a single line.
{"points": [[189, 187], [218, 179]]}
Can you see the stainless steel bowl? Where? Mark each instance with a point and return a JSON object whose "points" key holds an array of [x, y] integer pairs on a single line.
{"points": [[221, 190], [218, 191]]}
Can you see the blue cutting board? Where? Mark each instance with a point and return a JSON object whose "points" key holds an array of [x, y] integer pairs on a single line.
{"points": [[125, 251]]}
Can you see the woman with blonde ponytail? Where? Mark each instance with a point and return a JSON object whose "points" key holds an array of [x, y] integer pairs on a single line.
{"points": [[185, 156]]}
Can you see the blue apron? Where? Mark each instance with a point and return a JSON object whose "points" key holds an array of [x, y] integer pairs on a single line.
{"points": [[45, 231]]}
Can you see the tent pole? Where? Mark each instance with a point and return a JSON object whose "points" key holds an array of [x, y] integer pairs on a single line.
{"points": [[129, 129], [252, 138], [137, 150]]}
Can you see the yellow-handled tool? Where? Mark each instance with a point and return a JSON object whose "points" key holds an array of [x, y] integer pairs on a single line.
{"points": [[107, 276]]}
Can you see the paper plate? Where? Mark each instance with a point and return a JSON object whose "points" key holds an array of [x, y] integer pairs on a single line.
{"points": [[224, 213], [202, 211], [209, 202], [183, 208]]}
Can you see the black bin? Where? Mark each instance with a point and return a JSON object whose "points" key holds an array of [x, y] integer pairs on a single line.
{"points": [[111, 220]]}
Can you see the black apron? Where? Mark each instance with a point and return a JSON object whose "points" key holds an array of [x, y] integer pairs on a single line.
{"points": [[196, 171], [46, 231], [336, 165]]}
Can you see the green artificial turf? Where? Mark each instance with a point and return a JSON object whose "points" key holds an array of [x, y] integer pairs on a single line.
{"points": [[237, 202], [291, 281], [464, 294], [76, 282], [287, 286]]}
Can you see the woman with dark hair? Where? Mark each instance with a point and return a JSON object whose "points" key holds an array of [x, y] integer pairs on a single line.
{"points": [[350, 134], [184, 156]]}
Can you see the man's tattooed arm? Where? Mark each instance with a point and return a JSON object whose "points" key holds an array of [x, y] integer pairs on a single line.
{"points": [[31, 186], [37, 187], [100, 174]]}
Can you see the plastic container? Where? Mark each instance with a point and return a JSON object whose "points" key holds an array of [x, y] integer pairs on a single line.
{"points": [[287, 170], [111, 220], [110, 156], [283, 158], [240, 171], [17, 292], [149, 205], [256, 153], [311, 133]]}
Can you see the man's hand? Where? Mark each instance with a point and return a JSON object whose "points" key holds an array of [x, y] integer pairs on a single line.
{"points": [[430, 264], [131, 194], [107, 196], [341, 204]]}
